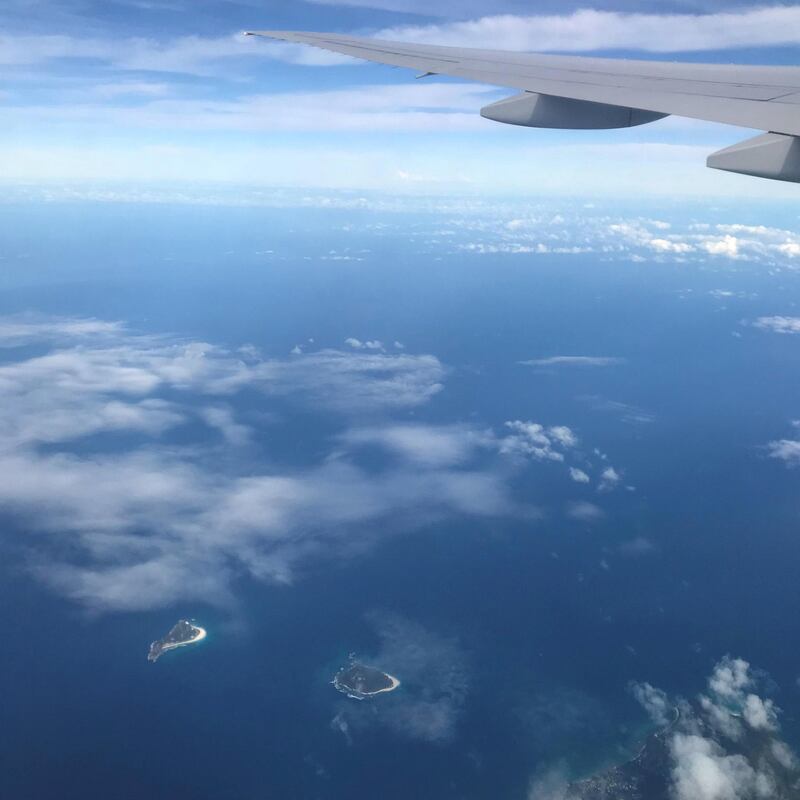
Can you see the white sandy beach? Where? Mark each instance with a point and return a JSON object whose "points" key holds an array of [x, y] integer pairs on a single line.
{"points": [[200, 634]]}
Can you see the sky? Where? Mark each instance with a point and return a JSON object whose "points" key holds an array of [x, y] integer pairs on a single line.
{"points": [[156, 92]]}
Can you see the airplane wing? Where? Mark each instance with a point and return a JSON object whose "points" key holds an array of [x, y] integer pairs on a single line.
{"points": [[593, 93]]}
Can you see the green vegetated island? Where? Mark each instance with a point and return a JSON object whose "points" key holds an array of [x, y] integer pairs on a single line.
{"points": [[359, 681], [183, 633]]}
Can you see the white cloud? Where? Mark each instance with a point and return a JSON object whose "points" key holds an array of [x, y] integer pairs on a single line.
{"points": [[581, 30], [760, 713], [731, 699], [179, 155], [702, 771], [733, 241], [157, 516], [150, 523], [636, 238], [726, 246], [586, 30], [357, 344], [778, 324], [574, 361], [730, 677], [783, 754], [563, 436], [786, 450], [435, 446], [667, 246], [21, 329], [578, 475], [532, 440], [352, 382], [186, 54], [223, 420], [609, 480], [726, 747], [422, 107]]}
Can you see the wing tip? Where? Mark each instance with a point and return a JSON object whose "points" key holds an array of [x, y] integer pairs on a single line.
{"points": [[272, 34]]}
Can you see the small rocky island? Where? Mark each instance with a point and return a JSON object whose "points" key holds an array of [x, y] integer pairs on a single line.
{"points": [[182, 634], [359, 681]]}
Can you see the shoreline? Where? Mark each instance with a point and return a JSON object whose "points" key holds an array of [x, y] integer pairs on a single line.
{"points": [[357, 695], [395, 684], [199, 636]]}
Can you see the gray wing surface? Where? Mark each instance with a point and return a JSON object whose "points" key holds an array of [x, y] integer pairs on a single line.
{"points": [[581, 92]]}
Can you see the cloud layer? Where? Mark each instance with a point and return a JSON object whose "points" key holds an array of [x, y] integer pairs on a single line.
{"points": [[587, 30], [137, 477]]}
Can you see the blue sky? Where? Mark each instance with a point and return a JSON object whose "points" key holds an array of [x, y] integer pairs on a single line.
{"points": [[150, 92]]}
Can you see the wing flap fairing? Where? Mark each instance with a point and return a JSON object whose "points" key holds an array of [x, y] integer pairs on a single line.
{"points": [[771, 155], [534, 110]]}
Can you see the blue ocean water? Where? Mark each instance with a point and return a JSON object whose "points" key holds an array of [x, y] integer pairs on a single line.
{"points": [[539, 622]]}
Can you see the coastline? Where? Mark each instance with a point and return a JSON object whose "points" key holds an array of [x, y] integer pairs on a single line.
{"points": [[358, 695], [395, 684], [199, 636]]}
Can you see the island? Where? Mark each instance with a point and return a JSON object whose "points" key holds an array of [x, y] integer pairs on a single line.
{"points": [[647, 776], [650, 774], [359, 681], [181, 634]]}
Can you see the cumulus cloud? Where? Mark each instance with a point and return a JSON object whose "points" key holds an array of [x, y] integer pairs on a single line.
{"points": [[635, 238], [726, 746], [609, 480], [732, 241], [357, 344], [730, 677], [691, 756], [731, 700], [786, 450], [778, 324], [533, 440], [703, 771], [578, 475]]}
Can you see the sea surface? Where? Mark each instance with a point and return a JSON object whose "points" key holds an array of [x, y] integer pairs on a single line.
{"points": [[516, 633]]}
